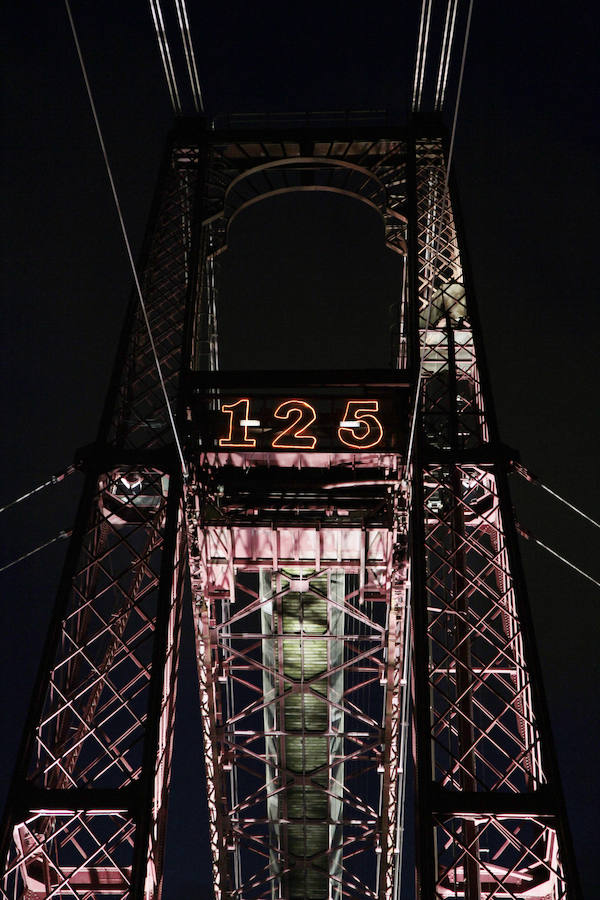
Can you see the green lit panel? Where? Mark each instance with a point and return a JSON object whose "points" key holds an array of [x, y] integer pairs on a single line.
{"points": [[305, 711], [306, 744], [306, 610]]}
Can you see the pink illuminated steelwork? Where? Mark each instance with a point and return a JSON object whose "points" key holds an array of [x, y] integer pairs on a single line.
{"points": [[86, 814], [489, 798], [314, 554], [270, 677]]}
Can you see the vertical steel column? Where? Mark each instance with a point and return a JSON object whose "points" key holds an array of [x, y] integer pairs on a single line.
{"points": [[426, 857], [86, 811], [489, 807]]}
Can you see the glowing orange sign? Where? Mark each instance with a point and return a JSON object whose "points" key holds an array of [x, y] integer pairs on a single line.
{"points": [[295, 433], [238, 432], [359, 428]]}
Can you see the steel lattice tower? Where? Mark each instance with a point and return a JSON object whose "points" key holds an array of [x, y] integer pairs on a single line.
{"points": [[317, 558]]}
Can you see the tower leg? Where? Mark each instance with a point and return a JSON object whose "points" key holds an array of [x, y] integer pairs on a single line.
{"points": [[86, 812], [87, 808], [490, 810]]}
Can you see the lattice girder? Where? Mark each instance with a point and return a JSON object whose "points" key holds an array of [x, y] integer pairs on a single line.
{"points": [[104, 714], [520, 858], [139, 417], [489, 805], [86, 813], [296, 659], [244, 170], [300, 620], [479, 614]]}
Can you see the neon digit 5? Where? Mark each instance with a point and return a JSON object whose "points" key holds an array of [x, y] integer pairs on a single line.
{"points": [[294, 437], [359, 428], [239, 415]]}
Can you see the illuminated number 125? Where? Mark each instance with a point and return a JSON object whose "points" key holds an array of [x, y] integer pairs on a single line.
{"points": [[239, 416]]}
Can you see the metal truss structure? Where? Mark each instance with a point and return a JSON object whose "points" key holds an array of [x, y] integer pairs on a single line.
{"points": [[86, 813], [490, 806], [314, 569]]}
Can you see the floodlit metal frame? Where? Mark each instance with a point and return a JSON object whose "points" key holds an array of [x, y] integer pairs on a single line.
{"points": [[86, 812], [255, 662], [489, 802], [301, 625], [241, 560]]}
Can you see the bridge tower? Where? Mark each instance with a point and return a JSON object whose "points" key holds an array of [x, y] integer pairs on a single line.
{"points": [[338, 580]]}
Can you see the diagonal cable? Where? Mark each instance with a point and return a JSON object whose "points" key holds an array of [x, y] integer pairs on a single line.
{"points": [[529, 536], [165, 55], [446, 53], [566, 561], [533, 479], [190, 57], [422, 42], [59, 537], [126, 238], [54, 479]]}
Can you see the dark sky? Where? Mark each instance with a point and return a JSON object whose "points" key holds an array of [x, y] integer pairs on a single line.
{"points": [[526, 161]]}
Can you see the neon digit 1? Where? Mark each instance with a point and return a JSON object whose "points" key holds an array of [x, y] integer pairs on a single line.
{"points": [[359, 428], [294, 437], [239, 415]]}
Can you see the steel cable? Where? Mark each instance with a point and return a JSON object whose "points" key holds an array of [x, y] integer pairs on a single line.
{"points": [[446, 53], [533, 479], [190, 57], [165, 55], [530, 536], [54, 479], [422, 43], [126, 238], [61, 536]]}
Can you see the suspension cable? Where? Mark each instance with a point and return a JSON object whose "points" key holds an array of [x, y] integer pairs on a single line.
{"points": [[165, 55], [533, 479], [440, 218], [446, 53], [54, 479], [422, 43], [61, 536], [126, 239], [190, 57], [529, 536]]}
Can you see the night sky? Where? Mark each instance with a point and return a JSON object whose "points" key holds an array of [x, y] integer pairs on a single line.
{"points": [[526, 163]]}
